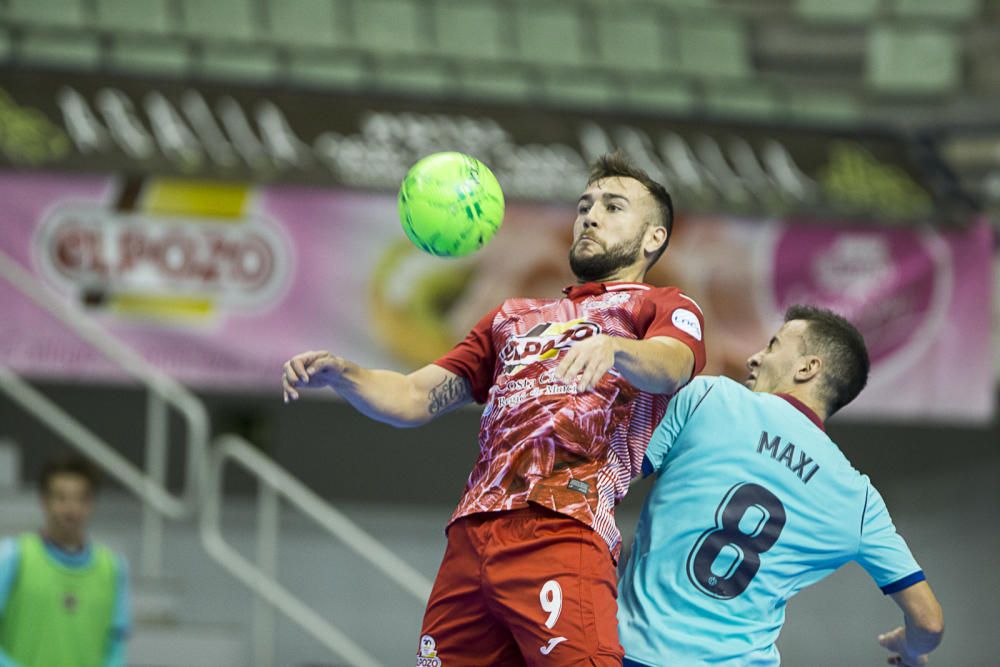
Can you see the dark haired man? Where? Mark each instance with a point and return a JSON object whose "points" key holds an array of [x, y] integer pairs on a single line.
{"points": [[63, 598], [573, 387], [753, 502]]}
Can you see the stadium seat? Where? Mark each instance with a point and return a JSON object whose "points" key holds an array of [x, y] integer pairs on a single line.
{"points": [[688, 4], [952, 10], [826, 107], [634, 41], [917, 60], [76, 51], [712, 48], [133, 15], [585, 90], [47, 12], [415, 78], [469, 29], [661, 96], [810, 48], [549, 34], [308, 22], [256, 64], [389, 26], [326, 71], [501, 83], [839, 11], [984, 74], [221, 20], [144, 55], [744, 101]]}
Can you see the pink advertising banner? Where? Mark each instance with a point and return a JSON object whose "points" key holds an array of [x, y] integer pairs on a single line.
{"points": [[217, 284]]}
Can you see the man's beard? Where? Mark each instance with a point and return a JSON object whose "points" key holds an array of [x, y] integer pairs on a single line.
{"points": [[600, 266]]}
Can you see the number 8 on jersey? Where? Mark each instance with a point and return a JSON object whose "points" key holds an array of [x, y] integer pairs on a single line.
{"points": [[726, 558]]}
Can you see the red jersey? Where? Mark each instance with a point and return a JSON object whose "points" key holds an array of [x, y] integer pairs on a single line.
{"points": [[539, 440]]}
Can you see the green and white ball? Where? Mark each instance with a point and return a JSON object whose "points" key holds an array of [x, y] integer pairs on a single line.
{"points": [[450, 204]]}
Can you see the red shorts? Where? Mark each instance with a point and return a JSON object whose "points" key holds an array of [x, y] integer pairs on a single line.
{"points": [[524, 587]]}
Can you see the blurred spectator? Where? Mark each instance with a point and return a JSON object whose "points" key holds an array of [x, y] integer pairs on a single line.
{"points": [[63, 598]]}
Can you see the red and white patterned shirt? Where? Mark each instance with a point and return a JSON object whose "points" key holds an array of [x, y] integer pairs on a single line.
{"points": [[539, 440]]}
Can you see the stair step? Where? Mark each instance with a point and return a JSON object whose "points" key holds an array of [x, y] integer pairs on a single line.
{"points": [[187, 645], [155, 600]]}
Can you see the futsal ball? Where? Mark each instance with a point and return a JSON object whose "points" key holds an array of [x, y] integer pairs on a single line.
{"points": [[450, 204]]}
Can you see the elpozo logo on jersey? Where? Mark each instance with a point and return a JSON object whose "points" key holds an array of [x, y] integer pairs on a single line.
{"points": [[182, 251], [545, 341]]}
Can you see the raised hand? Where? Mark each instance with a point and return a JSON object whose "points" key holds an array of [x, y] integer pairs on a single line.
{"points": [[589, 359], [312, 369]]}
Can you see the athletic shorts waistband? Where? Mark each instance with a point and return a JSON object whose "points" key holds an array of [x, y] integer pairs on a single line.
{"points": [[532, 511]]}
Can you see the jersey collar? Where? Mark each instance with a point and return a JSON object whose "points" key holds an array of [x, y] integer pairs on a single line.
{"points": [[804, 409], [592, 289], [68, 558]]}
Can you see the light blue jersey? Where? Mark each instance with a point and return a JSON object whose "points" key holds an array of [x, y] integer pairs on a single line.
{"points": [[753, 503]]}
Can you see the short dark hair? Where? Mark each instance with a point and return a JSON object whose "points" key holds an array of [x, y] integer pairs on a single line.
{"points": [[69, 464], [842, 348], [618, 164]]}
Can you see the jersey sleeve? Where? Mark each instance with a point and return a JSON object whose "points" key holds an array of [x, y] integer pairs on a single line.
{"points": [[121, 619], [668, 312], [681, 407], [882, 551], [10, 560], [474, 358]]}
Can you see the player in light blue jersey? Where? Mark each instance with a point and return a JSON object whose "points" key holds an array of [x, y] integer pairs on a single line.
{"points": [[753, 502]]}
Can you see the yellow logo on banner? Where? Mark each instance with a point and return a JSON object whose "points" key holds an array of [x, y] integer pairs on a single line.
{"points": [[26, 135], [217, 202], [856, 178], [171, 196]]}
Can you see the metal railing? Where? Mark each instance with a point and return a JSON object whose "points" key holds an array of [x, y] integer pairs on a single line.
{"points": [[164, 391], [260, 577], [203, 493], [93, 447]]}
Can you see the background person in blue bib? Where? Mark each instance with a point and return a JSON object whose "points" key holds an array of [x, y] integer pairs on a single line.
{"points": [[754, 502]]}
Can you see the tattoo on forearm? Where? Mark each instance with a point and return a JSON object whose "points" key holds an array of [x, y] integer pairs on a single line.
{"points": [[449, 393]]}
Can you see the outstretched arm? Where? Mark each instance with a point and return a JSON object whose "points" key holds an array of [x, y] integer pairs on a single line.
{"points": [[121, 620], [386, 396], [924, 626], [10, 560], [6, 660], [658, 365]]}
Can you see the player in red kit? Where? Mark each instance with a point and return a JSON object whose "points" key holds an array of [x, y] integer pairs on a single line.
{"points": [[573, 389]]}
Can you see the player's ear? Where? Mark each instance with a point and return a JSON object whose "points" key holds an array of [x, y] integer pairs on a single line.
{"points": [[656, 235], [808, 368]]}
